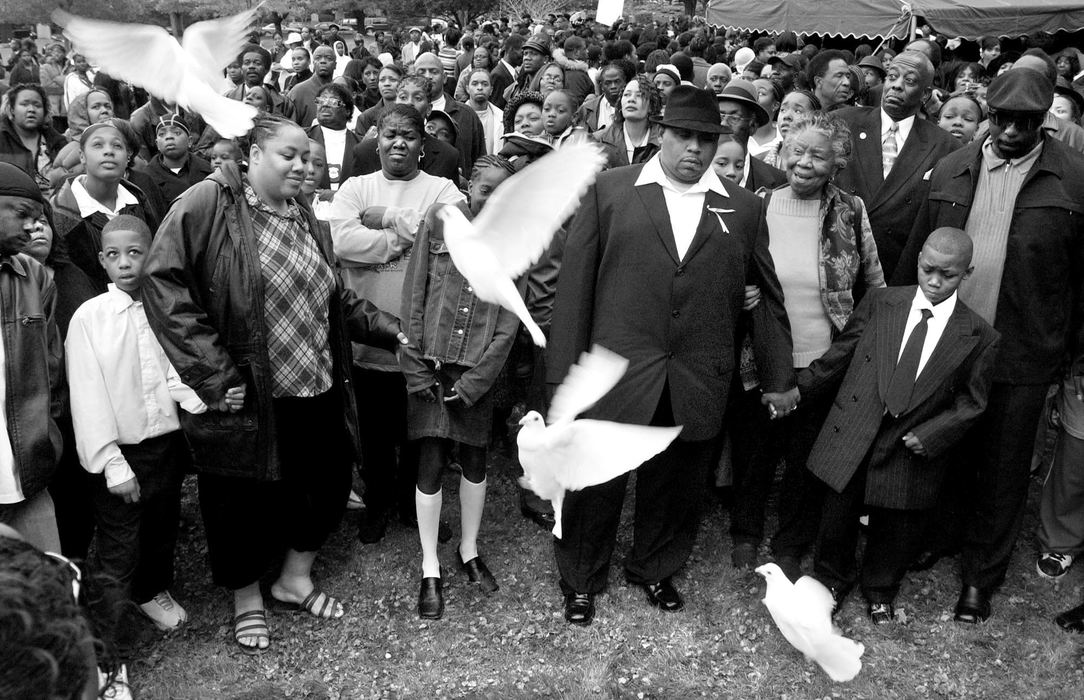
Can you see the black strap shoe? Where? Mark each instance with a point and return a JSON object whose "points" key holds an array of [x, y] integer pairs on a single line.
{"points": [[478, 572], [1072, 620], [664, 596], [580, 608]]}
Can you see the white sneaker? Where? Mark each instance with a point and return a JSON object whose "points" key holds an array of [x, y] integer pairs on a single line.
{"points": [[166, 613], [118, 688], [354, 502]]}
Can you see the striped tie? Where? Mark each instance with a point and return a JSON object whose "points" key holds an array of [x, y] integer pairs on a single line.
{"points": [[889, 148]]}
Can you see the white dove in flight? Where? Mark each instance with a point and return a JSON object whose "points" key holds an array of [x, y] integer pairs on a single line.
{"points": [[185, 73], [803, 613], [516, 225], [573, 454]]}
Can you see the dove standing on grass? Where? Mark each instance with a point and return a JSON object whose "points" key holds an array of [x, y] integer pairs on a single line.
{"points": [[516, 226], [803, 613], [571, 454], [184, 73]]}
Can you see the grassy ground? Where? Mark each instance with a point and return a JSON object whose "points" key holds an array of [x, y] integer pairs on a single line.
{"points": [[516, 644]]}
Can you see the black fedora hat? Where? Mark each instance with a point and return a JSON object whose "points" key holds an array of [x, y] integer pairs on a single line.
{"points": [[693, 109]]}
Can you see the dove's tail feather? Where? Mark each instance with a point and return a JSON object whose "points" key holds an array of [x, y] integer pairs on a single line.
{"points": [[537, 335], [840, 657]]}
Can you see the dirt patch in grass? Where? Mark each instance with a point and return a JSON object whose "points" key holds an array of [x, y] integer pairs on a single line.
{"points": [[516, 643]]}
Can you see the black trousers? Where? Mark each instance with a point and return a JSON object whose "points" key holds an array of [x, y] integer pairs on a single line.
{"points": [[759, 445], [69, 488], [893, 540], [135, 541], [669, 491], [251, 523], [997, 454], [389, 464]]}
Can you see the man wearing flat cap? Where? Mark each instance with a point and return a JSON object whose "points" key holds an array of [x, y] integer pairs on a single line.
{"points": [[536, 53], [1017, 194], [32, 397], [654, 269], [741, 114]]}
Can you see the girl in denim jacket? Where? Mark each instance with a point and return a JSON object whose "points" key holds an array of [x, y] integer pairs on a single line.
{"points": [[460, 344]]}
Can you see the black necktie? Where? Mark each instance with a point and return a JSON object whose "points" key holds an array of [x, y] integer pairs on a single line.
{"points": [[903, 379]]}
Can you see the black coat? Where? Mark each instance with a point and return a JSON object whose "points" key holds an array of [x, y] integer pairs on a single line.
{"points": [[949, 396], [1040, 305], [894, 203], [622, 286]]}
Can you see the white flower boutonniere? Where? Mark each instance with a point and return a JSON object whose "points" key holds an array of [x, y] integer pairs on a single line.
{"points": [[718, 215]]}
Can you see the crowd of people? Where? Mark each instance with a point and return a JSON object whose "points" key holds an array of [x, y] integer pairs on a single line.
{"points": [[280, 313]]}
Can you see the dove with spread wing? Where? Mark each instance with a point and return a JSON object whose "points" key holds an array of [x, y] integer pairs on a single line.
{"points": [[516, 225], [570, 454], [183, 73], [803, 613]]}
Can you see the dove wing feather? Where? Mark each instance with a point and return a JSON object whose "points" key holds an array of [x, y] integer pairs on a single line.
{"points": [[141, 54], [587, 381], [813, 595], [214, 43], [521, 216], [591, 452]]}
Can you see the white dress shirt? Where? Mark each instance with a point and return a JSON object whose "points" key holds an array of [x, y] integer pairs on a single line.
{"points": [[934, 327], [605, 112], [88, 205], [903, 129], [684, 203], [123, 389]]}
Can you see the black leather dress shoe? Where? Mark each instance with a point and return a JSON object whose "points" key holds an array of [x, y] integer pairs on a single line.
{"points": [[1072, 620], [580, 608], [478, 572], [664, 596], [881, 613], [431, 599], [530, 510], [973, 606]]}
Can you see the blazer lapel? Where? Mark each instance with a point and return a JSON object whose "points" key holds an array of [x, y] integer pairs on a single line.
{"points": [[956, 342], [709, 222], [867, 146], [653, 201], [890, 328], [911, 155]]}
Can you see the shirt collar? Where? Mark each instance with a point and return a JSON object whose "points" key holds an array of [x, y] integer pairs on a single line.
{"points": [[118, 299], [904, 125], [745, 170], [941, 312], [652, 173], [292, 212], [512, 70], [88, 205], [992, 161], [15, 262]]}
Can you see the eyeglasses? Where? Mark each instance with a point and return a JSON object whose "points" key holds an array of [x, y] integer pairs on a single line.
{"points": [[1024, 121], [330, 102], [732, 119]]}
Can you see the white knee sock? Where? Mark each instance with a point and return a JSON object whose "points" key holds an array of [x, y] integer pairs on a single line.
{"points": [[472, 499], [428, 509]]}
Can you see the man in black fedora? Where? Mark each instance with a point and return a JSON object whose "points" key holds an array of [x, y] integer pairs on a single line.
{"points": [[654, 269], [741, 115]]}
